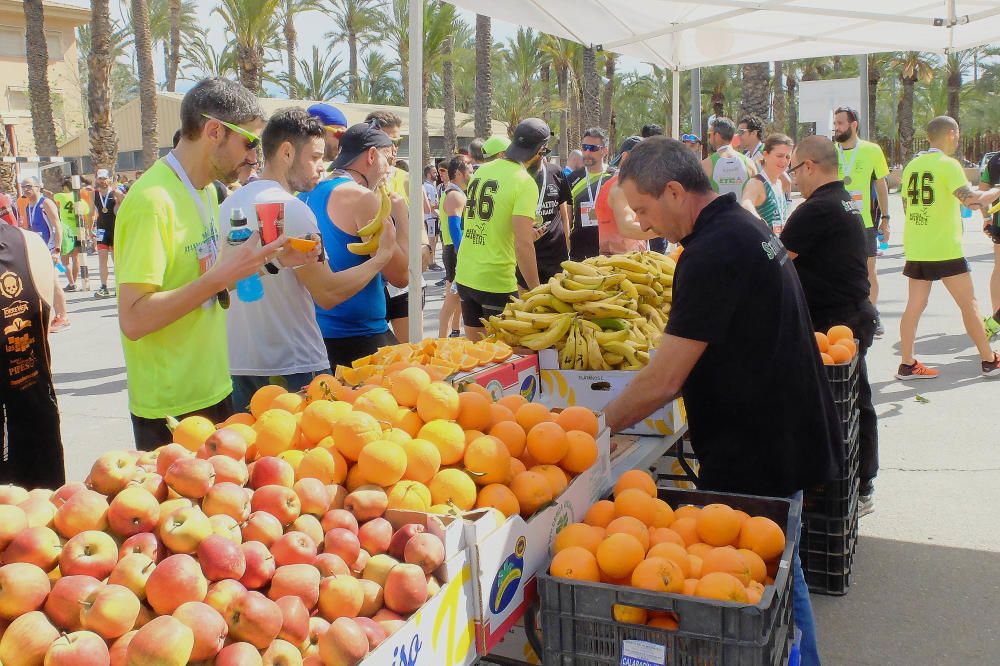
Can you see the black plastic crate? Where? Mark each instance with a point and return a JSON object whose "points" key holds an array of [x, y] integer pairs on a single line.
{"points": [[829, 572], [833, 499], [829, 535], [578, 627], [844, 379]]}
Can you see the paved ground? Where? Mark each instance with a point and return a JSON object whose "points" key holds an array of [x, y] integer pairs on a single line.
{"points": [[927, 570]]}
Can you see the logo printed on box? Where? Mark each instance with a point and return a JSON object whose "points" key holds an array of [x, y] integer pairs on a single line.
{"points": [[564, 516], [495, 388], [401, 656], [643, 653], [508, 578], [529, 388]]}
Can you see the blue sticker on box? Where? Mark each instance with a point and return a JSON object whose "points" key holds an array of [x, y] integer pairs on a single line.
{"points": [[642, 653]]}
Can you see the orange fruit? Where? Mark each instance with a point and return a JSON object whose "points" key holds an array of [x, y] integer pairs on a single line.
{"points": [[838, 333], [687, 527], [532, 490], [531, 414], [409, 495], [581, 454], [743, 516], [423, 460], [619, 554], [686, 511], [826, 358], [755, 591], [547, 443], [471, 435], [726, 559], [840, 353], [487, 460], [822, 341], [674, 552], [578, 418], [629, 525], [555, 476], [700, 549], [629, 614], [408, 421], [242, 418], [448, 437], [473, 387], [659, 575], [192, 432], [322, 387], [262, 398], [453, 486], [379, 403], [696, 563], [319, 416], [758, 570], [636, 478], [764, 537], [576, 563], [600, 513], [474, 411], [382, 462], [276, 432], [353, 432], [511, 434], [438, 401], [665, 535], [718, 525], [690, 585], [668, 623], [722, 586], [512, 402], [290, 402], [407, 384], [849, 344], [323, 463], [501, 413], [663, 515], [354, 479], [636, 503], [500, 497], [578, 534]]}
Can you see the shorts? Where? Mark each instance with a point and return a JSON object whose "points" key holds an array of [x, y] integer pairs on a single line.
{"points": [[70, 246], [450, 258], [546, 270], [935, 270], [871, 241], [105, 246], [152, 433], [478, 305], [993, 229], [431, 223], [344, 351], [398, 307]]}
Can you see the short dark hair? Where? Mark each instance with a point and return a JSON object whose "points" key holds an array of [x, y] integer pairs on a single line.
{"points": [[385, 119], [402, 165], [820, 150], [456, 164], [67, 182], [476, 149], [220, 98], [596, 133], [754, 124], [775, 140], [852, 115], [177, 138], [292, 124], [938, 126], [657, 161], [464, 151], [652, 129], [429, 170], [724, 127]]}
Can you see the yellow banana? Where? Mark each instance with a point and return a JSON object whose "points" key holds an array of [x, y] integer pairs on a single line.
{"points": [[604, 337], [539, 320], [628, 287], [589, 325], [596, 360], [613, 359], [568, 353], [578, 268], [624, 349], [366, 247], [624, 263], [512, 326], [601, 310], [549, 337], [642, 357], [571, 296], [370, 232], [638, 277], [580, 357], [555, 304], [647, 292]]}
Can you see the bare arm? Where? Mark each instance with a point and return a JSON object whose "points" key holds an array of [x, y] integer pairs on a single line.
{"points": [[657, 384], [40, 265], [976, 200], [567, 220], [753, 196], [625, 217], [882, 193], [329, 288], [51, 213], [524, 248], [706, 166], [397, 270]]}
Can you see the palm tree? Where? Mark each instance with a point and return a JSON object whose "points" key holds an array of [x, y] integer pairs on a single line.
{"points": [[956, 66], [560, 53], [440, 20], [591, 90], [607, 111], [123, 82], [320, 76], [756, 80], [484, 75], [172, 26], [522, 59], [206, 61], [778, 98], [913, 66], [252, 24], [174, 45], [8, 181], [357, 22], [877, 63], [791, 86], [395, 29], [103, 139], [289, 10], [378, 85], [43, 126], [147, 81], [448, 85]]}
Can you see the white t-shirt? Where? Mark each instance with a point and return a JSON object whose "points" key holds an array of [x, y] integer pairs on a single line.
{"points": [[432, 198], [277, 335]]}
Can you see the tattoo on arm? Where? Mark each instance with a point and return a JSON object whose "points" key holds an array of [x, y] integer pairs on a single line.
{"points": [[965, 194]]}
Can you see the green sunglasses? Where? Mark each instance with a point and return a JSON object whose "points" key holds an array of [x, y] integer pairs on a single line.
{"points": [[245, 133]]}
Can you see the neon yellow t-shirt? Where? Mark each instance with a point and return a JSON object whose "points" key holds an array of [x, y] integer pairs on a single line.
{"points": [[67, 211], [933, 229], [159, 233], [400, 184], [858, 166], [499, 190]]}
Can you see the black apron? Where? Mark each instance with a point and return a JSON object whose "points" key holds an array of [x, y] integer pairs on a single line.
{"points": [[31, 451]]}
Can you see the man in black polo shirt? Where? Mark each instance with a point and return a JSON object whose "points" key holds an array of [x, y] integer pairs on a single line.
{"points": [[739, 346], [552, 218], [825, 237]]}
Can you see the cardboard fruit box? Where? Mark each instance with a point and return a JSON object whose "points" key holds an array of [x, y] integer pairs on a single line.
{"points": [[518, 375]]}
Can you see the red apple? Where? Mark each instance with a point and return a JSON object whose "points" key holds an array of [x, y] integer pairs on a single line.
{"points": [[185, 529], [13, 521], [294, 548], [239, 654], [317, 627], [207, 624], [111, 472], [146, 543], [329, 564], [254, 618], [168, 455], [339, 518], [226, 442], [228, 499], [27, 639], [401, 536], [109, 611], [23, 588], [66, 491], [300, 580], [310, 525], [85, 510], [271, 471], [11, 494], [119, 649], [168, 508], [260, 565], [221, 593], [164, 641], [132, 511], [341, 541], [375, 535], [279, 501], [282, 653], [344, 643], [81, 648], [89, 553], [63, 603], [314, 497], [361, 563], [38, 511], [295, 620], [190, 477], [227, 469], [153, 483], [227, 528], [374, 631], [221, 558], [132, 571], [175, 580], [263, 527], [37, 545]]}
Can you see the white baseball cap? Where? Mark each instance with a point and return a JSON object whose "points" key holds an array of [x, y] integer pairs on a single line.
{"points": [[103, 173]]}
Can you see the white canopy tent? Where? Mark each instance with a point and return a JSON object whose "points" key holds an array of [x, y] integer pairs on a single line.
{"points": [[682, 35]]}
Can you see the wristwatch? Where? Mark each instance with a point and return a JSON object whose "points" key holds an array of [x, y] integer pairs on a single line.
{"points": [[885, 217]]}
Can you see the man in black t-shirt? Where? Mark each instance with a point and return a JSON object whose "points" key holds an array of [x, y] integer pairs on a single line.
{"points": [[991, 178], [552, 220], [739, 346], [825, 237]]}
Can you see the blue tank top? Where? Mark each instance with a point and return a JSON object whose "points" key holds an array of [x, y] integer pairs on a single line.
{"points": [[364, 313], [37, 222]]}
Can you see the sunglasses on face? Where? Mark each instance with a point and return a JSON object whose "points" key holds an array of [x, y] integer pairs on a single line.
{"points": [[690, 138], [796, 167], [592, 147], [252, 139]]}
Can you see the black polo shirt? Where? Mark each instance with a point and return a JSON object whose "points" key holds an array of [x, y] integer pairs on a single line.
{"points": [[760, 411], [828, 235], [550, 248]]}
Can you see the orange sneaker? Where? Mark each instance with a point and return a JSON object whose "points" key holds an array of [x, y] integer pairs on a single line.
{"points": [[916, 371], [59, 324]]}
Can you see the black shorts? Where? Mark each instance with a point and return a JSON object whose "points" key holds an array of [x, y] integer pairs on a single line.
{"points": [[344, 351], [935, 270], [152, 433], [477, 305], [993, 229], [450, 258], [398, 307], [871, 241], [546, 270]]}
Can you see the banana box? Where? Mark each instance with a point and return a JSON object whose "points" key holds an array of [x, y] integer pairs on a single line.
{"points": [[594, 389], [518, 375], [507, 557], [674, 469], [514, 645]]}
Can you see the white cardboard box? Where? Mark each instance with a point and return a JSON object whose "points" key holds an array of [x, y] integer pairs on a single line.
{"points": [[518, 375], [596, 388]]}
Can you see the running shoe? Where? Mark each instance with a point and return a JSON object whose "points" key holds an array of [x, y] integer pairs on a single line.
{"points": [[866, 505], [992, 368], [917, 371], [70, 288], [435, 267], [879, 328], [440, 283], [457, 334], [103, 292], [59, 324], [992, 327]]}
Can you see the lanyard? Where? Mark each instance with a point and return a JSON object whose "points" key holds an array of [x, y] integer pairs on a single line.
{"points": [[759, 150], [592, 193], [780, 201], [32, 209], [541, 190], [181, 174], [104, 200], [848, 168]]}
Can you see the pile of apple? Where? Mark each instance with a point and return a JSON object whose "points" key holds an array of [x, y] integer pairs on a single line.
{"points": [[178, 556]]}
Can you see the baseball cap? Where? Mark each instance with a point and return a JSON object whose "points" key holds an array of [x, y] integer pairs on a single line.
{"points": [[626, 146], [495, 144], [103, 173], [328, 115], [690, 138], [358, 139], [529, 135]]}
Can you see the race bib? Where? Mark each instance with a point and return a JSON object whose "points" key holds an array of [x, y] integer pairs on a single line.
{"points": [[588, 218], [207, 251], [99, 234], [858, 199]]}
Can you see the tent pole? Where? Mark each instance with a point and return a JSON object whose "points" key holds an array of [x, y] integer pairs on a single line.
{"points": [[675, 103], [416, 158], [696, 101], [863, 129]]}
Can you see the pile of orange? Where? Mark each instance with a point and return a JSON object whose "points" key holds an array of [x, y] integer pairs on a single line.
{"points": [[837, 345], [432, 447], [438, 357], [638, 540]]}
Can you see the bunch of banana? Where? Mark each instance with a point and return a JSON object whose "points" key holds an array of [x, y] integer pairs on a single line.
{"points": [[605, 313], [371, 232]]}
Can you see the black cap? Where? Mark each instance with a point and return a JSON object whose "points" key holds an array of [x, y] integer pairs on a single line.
{"points": [[357, 140], [627, 145], [529, 135]]}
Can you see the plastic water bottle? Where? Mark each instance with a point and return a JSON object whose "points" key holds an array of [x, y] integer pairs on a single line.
{"points": [[966, 213], [60, 267], [249, 289], [882, 244]]}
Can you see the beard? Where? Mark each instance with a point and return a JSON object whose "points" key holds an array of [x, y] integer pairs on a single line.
{"points": [[844, 136]]}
